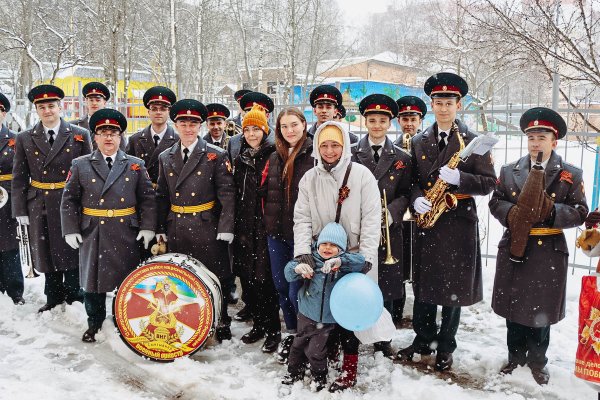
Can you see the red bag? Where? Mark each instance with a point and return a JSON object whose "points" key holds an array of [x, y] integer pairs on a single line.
{"points": [[587, 360]]}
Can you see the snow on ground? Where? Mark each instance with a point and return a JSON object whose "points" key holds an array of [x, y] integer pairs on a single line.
{"points": [[43, 357]]}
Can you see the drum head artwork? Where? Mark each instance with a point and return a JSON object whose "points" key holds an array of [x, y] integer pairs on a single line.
{"points": [[163, 311]]}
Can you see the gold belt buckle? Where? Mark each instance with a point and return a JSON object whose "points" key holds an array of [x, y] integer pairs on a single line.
{"points": [[110, 213], [52, 186], [181, 209]]}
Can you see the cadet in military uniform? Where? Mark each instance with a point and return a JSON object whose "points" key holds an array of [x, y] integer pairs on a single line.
{"points": [[11, 276], [43, 156], [108, 204], [95, 95], [217, 119], [148, 143], [238, 96], [325, 100], [411, 111], [246, 103], [196, 198], [392, 169], [530, 291], [447, 264]]}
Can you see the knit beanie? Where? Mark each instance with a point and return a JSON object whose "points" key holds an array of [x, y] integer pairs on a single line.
{"points": [[331, 132], [256, 117], [333, 233]]}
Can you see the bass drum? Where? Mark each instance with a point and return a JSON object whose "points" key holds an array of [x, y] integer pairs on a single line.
{"points": [[168, 307]]}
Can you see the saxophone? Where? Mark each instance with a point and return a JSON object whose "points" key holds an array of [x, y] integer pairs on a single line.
{"points": [[441, 201]]}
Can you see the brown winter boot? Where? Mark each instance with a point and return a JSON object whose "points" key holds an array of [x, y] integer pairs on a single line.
{"points": [[347, 377]]}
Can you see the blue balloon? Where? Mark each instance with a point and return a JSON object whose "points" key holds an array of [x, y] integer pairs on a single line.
{"points": [[356, 302]]}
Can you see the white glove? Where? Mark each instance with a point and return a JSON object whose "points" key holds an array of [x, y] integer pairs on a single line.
{"points": [[333, 264], [227, 237], [452, 176], [161, 236], [147, 236], [422, 205], [73, 240], [23, 220], [305, 270]]}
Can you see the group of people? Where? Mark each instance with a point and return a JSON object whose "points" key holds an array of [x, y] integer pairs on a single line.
{"points": [[290, 210]]}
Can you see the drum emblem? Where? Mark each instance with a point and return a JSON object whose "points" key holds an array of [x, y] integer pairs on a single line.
{"points": [[163, 311]]}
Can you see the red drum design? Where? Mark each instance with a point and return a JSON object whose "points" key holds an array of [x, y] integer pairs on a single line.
{"points": [[168, 307]]}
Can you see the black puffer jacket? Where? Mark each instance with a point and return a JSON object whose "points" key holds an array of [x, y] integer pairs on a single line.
{"points": [[250, 249], [279, 214]]}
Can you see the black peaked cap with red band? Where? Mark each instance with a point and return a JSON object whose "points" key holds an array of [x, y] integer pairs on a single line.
{"points": [[217, 110], [542, 119], [411, 105], [325, 94], [159, 94], [95, 89], [4, 103], [42, 93], [378, 103], [446, 84], [107, 117], [189, 108]]}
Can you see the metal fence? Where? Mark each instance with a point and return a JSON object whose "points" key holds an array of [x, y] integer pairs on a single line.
{"points": [[500, 117]]}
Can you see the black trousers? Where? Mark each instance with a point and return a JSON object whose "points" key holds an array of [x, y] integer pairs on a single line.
{"points": [[527, 345], [310, 343], [11, 276], [95, 307], [265, 304], [424, 325], [62, 286]]}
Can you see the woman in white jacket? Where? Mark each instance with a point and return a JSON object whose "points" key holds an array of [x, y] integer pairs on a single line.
{"points": [[360, 215]]}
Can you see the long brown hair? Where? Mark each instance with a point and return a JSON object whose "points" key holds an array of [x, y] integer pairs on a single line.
{"points": [[283, 148]]}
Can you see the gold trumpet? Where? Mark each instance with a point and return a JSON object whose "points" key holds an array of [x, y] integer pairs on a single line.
{"points": [[389, 258], [25, 251]]}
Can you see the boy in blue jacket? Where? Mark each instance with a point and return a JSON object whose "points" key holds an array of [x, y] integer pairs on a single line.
{"points": [[315, 321]]}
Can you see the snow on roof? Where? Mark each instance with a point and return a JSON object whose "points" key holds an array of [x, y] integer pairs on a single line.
{"points": [[384, 57]]}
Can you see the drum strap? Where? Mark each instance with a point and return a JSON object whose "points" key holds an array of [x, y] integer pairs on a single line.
{"points": [[343, 193]]}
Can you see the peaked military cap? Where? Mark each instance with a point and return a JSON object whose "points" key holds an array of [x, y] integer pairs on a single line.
{"points": [[159, 94], [446, 84], [411, 105], [217, 110], [95, 89], [325, 94], [249, 99], [189, 108], [42, 93], [108, 117], [378, 103], [240, 93], [4, 103], [542, 119]]}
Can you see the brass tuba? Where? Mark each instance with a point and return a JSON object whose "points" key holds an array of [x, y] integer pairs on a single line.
{"points": [[440, 200]]}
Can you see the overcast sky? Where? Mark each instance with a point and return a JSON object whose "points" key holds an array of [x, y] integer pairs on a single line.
{"points": [[355, 10]]}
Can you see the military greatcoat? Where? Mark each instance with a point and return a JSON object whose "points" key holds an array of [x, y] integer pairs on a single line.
{"points": [[141, 145], [8, 233]]}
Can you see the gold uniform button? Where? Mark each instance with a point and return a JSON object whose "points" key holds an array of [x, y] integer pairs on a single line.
{"points": [[126, 179], [178, 215], [93, 180], [194, 214], [199, 173], [68, 150], [553, 194], [122, 199], [101, 201], [181, 209], [46, 192], [514, 193], [6, 153], [121, 220], [63, 171], [170, 174], [36, 153], [176, 194], [52, 186], [391, 178], [193, 194], [45, 172], [102, 222], [110, 213], [423, 157], [428, 183], [539, 242]]}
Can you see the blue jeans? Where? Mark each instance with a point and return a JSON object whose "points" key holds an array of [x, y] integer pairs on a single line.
{"points": [[280, 252]]}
